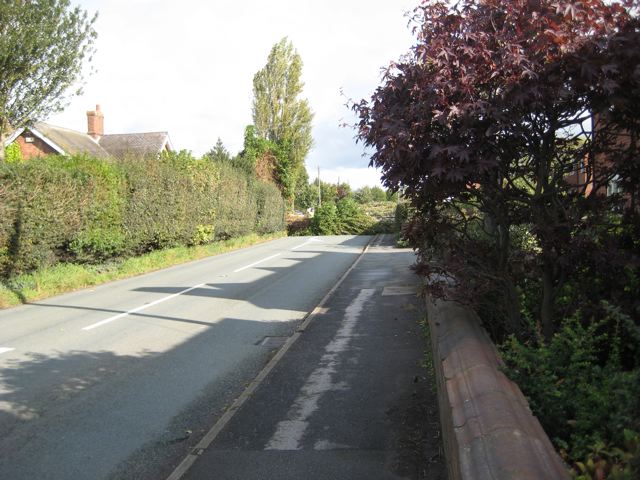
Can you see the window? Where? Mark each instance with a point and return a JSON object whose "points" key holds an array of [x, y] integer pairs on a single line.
{"points": [[613, 187]]}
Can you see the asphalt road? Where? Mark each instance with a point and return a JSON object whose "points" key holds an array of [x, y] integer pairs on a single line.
{"points": [[350, 399], [122, 380]]}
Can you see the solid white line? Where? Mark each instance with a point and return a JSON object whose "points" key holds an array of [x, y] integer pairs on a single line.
{"points": [[139, 309], [256, 263], [5, 350]]}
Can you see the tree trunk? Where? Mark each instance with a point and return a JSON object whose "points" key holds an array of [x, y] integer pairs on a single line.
{"points": [[546, 309], [502, 237], [3, 138]]}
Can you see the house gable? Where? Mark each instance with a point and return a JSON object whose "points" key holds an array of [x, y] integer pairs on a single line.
{"points": [[32, 145]]}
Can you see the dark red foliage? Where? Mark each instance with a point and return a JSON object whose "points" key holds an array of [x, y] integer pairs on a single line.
{"points": [[494, 109]]}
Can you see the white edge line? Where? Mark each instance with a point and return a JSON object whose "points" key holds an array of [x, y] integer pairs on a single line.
{"points": [[139, 309], [5, 350], [210, 436], [256, 263]]}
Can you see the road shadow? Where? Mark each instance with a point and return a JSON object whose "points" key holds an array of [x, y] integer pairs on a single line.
{"points": [[259, 292], [79, 414]]}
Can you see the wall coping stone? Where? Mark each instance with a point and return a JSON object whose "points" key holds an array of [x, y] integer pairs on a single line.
{"points": [[489, 432]]}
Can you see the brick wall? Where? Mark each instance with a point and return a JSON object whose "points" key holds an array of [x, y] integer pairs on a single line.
{"points": [[35, 148]]}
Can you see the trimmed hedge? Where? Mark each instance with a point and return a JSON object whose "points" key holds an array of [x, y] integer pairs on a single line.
{"points": [[84, 210], [342, 218]]}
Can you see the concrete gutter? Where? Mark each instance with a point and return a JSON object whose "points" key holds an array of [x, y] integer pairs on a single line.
{"points": [[488, 430]]}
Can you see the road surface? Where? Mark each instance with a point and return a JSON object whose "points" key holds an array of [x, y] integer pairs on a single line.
{"points": [[121, 381], [349, 400]]}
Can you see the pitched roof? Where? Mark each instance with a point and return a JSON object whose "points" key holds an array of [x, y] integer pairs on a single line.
{"points": [[65, 141], [136, 144], [70, 141]]}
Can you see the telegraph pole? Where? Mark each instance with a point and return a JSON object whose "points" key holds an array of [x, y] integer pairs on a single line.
{"points": [[319, 189]]}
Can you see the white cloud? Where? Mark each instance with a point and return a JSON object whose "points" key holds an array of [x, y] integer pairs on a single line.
{"points": [[187, 67]]}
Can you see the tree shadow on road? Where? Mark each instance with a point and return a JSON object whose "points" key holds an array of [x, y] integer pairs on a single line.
{"points": [[81, 414]]}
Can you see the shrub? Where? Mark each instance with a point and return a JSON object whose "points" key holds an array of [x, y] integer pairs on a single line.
{"points": [[401, 215], [101, 235], [13, 154], [351, 218], [578, 383], [165, 201], [235, 203], [614, 463], [342, 218], [270, 207], [45, 204], [325, 219]]}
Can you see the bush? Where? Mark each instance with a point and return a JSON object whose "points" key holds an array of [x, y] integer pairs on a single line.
{"points": [[235, 203], [168, 199], [325, 219], [370, 194], [615, 463], [351, 218], [45, 204], [12, 153], [580, 384], [101, 235], [342, 218], [270, 208], [401, 215]]}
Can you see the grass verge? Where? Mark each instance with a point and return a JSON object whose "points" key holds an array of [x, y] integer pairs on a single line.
{"points": [[67, 277]]}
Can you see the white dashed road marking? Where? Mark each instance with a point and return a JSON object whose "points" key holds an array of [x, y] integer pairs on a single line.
{"points": [[311, 240], [164, 299], [256, 263], [139, 309]]}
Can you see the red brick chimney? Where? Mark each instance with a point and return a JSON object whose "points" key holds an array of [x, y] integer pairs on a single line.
{"points": [[95, 123]]}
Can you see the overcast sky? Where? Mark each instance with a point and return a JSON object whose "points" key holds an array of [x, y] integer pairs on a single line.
{"points": [[187, 67]]}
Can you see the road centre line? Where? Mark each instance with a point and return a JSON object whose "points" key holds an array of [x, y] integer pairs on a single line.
{"points": [[311, 240], [256, 263], [139, 309], [5, 350], [164, 299]]}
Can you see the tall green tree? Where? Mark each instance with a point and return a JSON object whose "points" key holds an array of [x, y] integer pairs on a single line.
{"points": [[43, 45], [280, 116]]}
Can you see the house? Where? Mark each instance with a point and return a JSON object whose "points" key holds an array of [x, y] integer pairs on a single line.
{"points": [[42, 139], [598, 174]]}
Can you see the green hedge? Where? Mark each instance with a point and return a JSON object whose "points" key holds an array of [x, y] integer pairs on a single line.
{"points": [[342, 218], [80, 209]]}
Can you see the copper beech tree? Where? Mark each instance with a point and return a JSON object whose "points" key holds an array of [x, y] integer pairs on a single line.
{"points": [[505, 124]]}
